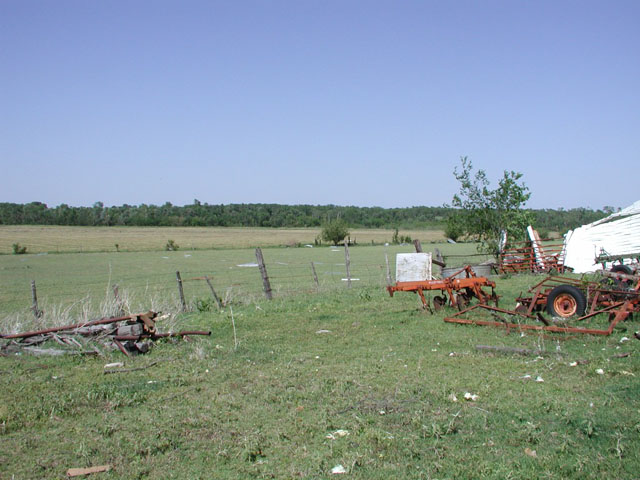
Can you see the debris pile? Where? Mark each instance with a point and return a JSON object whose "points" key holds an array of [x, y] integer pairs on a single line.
{"points": [[131, 334]]}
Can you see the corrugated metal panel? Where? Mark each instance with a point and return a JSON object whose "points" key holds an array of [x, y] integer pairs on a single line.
{"points": [[618, 234]]}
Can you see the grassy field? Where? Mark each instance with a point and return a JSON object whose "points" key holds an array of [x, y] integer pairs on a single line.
{"points": [[348, 377], [55, 239], [317, 378], [81, 284]]}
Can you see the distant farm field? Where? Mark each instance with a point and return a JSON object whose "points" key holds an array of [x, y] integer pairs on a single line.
{"points": [[55, 239]]}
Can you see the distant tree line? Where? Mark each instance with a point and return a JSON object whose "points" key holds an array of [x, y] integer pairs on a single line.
{"points": [[264, 215]]}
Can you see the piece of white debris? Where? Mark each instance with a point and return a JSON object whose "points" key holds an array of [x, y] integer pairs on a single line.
{"points": [[629, 374], [539, 379], [323, 331], [382, 412], [452, 354], [600, 371], [526, 377], [338, 469], [624, 339], [337, 434], [470, 396], [573, 364], [114, 365], [453, 397]]}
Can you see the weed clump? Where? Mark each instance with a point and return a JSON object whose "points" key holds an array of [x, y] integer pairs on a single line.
{"points": [[19, 249], [171, 246]]}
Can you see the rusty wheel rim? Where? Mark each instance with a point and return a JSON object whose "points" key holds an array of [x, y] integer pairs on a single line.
{"points": [[565, 305]]}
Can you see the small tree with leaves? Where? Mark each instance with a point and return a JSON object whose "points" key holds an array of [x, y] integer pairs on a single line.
{"points": [[483, 214], [334, 231]]}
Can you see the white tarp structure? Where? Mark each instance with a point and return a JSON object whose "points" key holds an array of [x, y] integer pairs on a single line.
{"points": [[617, 234]]}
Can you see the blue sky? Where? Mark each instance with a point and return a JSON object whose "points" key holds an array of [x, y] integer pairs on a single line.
{"points": [[367, 103]]}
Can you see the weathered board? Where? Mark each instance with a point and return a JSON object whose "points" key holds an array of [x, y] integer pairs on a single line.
{"points": [[413, 267]]}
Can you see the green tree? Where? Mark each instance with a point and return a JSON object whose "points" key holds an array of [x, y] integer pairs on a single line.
{"points": [[483, 214], [334, 231]]}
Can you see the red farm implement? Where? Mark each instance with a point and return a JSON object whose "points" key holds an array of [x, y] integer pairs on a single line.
{"points": [[458, 289], [614, 296]]}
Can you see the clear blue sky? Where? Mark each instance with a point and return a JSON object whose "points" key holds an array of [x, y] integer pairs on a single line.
{"points": [[367, 103]]}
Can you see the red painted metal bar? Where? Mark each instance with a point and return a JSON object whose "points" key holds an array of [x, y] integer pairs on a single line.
{"points": [[622, 312]]}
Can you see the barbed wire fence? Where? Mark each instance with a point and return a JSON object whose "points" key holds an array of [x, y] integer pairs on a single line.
{"points": [[193, 289]]}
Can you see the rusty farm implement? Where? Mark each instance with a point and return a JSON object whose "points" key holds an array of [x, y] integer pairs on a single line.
{"points": [[571, 306], [457, 289]]}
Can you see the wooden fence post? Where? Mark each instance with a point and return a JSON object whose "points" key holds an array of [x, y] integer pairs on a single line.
{"points": [[181, 292], [263, 272], [116, 295], [439, 260], [34, 304], [418, 245], [213, 292], [347, 262], [386, 259], [315, 275]]}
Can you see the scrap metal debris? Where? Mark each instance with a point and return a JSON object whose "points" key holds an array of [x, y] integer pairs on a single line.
{"points": [[615, 296], [131, 334]]}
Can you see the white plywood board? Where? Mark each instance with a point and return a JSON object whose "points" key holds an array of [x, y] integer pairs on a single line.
{"points": [[413, 267]]}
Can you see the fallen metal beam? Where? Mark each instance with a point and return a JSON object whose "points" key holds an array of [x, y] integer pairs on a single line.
{"points": [[101, 321]]}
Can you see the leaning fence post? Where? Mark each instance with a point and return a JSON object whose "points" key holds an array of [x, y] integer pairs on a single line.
{"points": [[315, 275], [418, 245], [263, 272], [181, 291], [213, 292], [347, 262], [34, 305]]}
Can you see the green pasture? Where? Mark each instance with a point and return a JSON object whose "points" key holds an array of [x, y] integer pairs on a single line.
{"points": [[320, 377], [341, 377], [69, 284]]}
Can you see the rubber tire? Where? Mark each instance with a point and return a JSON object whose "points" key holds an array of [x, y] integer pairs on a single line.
{"points": [[571, 291], [621, 269], [622, 284]]}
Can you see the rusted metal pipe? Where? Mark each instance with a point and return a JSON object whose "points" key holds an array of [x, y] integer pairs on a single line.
{"points": [[101, 321], [125, 338]]}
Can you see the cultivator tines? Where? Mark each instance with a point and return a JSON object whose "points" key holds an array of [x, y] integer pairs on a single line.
{"points": [[485, 315], [458, 291]]}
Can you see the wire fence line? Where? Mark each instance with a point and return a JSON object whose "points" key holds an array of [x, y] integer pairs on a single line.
{"points": [[232, 281]]}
